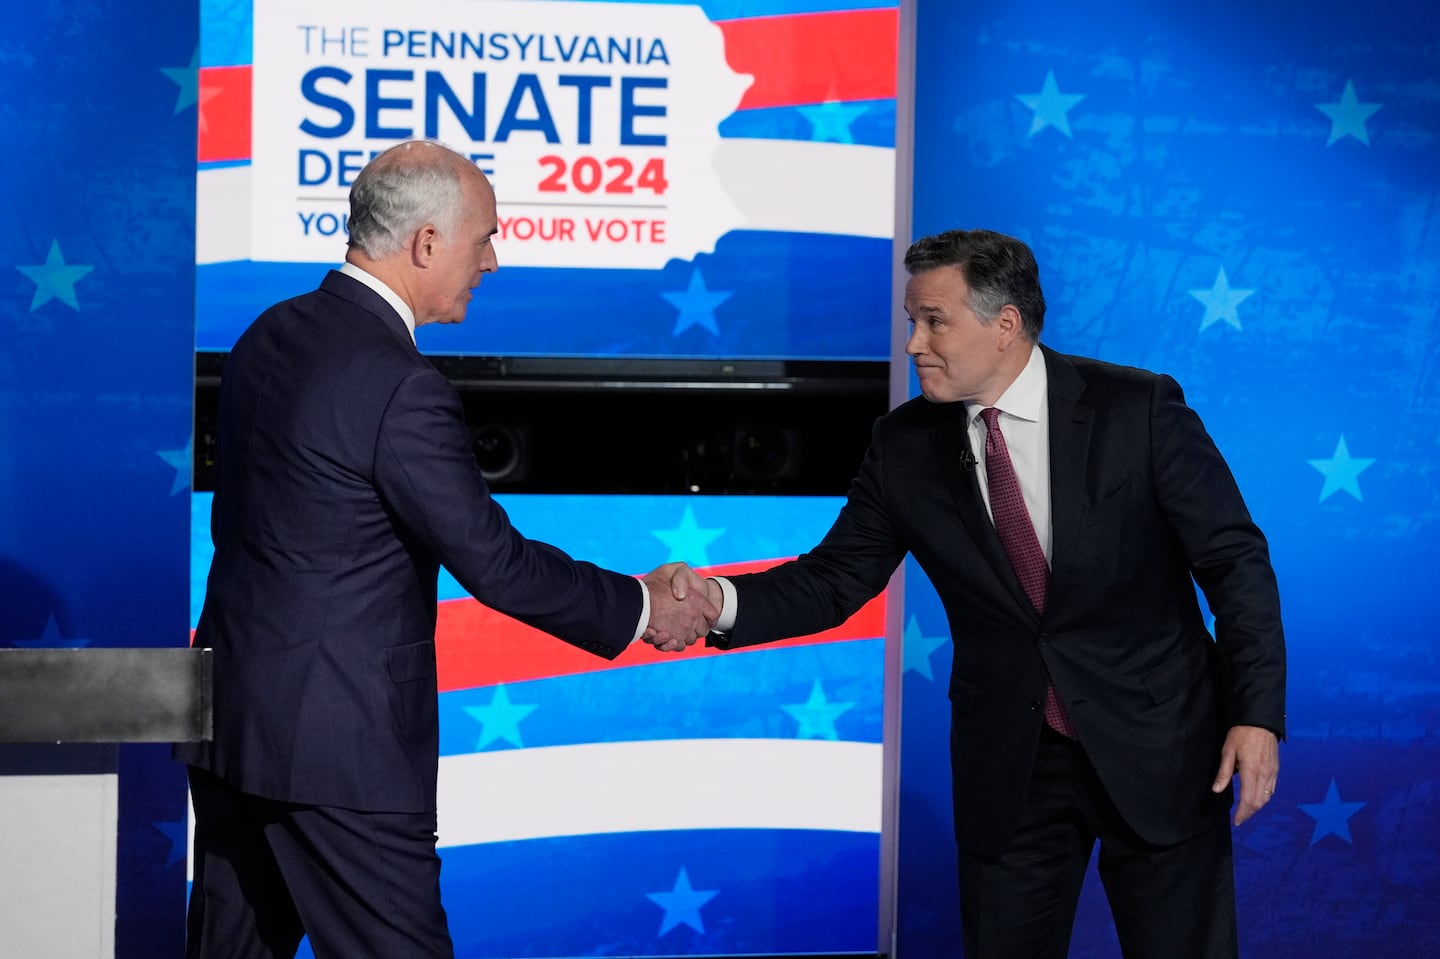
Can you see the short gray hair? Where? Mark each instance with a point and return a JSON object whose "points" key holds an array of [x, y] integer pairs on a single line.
{"points": [[399, 191]]}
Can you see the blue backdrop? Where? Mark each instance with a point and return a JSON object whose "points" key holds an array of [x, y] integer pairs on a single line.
{"points": [[1245, 196], [96, 375]]}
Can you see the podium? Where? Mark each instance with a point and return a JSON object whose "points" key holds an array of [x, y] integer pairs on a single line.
{"points": [[101, 695], [64, 714]]}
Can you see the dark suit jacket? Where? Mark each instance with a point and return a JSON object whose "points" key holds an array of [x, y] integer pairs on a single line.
{"points": [[1143, 508], [345, 480]]}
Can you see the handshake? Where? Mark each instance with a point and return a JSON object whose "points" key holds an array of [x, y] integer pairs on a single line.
{"points": [[683, 607]]}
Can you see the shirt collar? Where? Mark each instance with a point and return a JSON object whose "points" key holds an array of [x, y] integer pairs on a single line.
{"points": [[390, 296], [1025, 397]]}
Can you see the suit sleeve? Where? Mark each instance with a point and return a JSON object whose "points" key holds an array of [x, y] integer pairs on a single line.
{"points": [[428, 479], [1228, 557], [822, 588]]}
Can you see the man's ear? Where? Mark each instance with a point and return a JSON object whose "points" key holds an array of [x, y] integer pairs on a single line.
{"points": [[422, 245], [1010, 323]]}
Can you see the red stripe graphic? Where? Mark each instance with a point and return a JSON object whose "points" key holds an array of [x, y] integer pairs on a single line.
{"points": [[224, 114], [476, 646], [795, 59], [815, 57]]}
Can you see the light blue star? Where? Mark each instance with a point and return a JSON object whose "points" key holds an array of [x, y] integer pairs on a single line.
{"points": [[54, 279], [1342, 471], [1332, 817], [182, 461], [177, 832], [1348, 116], [1220, 302], [499, 720], [917, 648], [51, 638], [831, 120], [187, 78], [682, 904], [1050, 105], [816, 715], [696, 305], [687, 541]]}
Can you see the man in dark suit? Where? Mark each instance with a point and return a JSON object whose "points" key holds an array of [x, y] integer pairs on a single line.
{"points": [[345, 480], [1065, 510]]}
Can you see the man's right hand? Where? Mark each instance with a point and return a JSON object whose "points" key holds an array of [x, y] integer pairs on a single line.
{"points": [[683, 607]]}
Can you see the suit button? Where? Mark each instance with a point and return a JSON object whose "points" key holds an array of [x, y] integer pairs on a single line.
{"points": [[1044, 639], [1035, 705]]}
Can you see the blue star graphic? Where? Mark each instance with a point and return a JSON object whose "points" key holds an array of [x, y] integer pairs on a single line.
{"points": [[1220, 302], [687, 541], [187, 78], [1342, 471], [1348, 116], [917, 648], [182, 461], [831, 120], [1332, 817], [54, 279], [499, 720], [696, 305], [816, 715], [1050, 105], [51, 638], [682, 904], [177, 832]]}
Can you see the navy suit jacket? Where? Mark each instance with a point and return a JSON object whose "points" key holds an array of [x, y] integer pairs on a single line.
{"points": [[1143, 508], [345, 480]]}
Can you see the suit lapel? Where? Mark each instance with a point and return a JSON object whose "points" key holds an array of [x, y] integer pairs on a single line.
{"points": [[952, 447], [1071, 420]]}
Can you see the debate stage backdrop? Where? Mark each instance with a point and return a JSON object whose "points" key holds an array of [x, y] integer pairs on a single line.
{"points": [[666, 173], [702, 804], [1242, 195], [97, 292], [1245, 196]]}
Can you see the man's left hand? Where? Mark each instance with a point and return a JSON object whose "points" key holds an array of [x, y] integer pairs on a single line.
{"points": [[1253, 754]]}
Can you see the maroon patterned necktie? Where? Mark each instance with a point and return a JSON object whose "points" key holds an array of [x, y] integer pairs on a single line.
{"points": [[1017, 535]]}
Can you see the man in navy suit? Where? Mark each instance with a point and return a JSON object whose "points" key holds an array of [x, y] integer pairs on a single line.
{"points": [[345, 480], [1088, 701]]}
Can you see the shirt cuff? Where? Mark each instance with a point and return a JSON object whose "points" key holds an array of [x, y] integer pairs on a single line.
{"points": [[726, 622], [644, 611]]}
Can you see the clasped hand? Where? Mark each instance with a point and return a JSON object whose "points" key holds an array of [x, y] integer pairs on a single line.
{"points": [[680, 608]]}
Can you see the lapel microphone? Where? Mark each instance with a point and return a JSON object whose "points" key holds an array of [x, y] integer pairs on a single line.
{"points": [[967, 461]]}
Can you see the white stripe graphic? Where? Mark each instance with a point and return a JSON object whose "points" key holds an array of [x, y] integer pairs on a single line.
{"points": [[804, 187], [597, 788], [659, 785], [222, 215]]}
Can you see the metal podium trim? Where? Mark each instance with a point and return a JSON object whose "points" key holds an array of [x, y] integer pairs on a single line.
{"points": [[103, 695]]}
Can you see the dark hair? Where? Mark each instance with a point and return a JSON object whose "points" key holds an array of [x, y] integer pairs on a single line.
{"points": [[999, 270]]}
